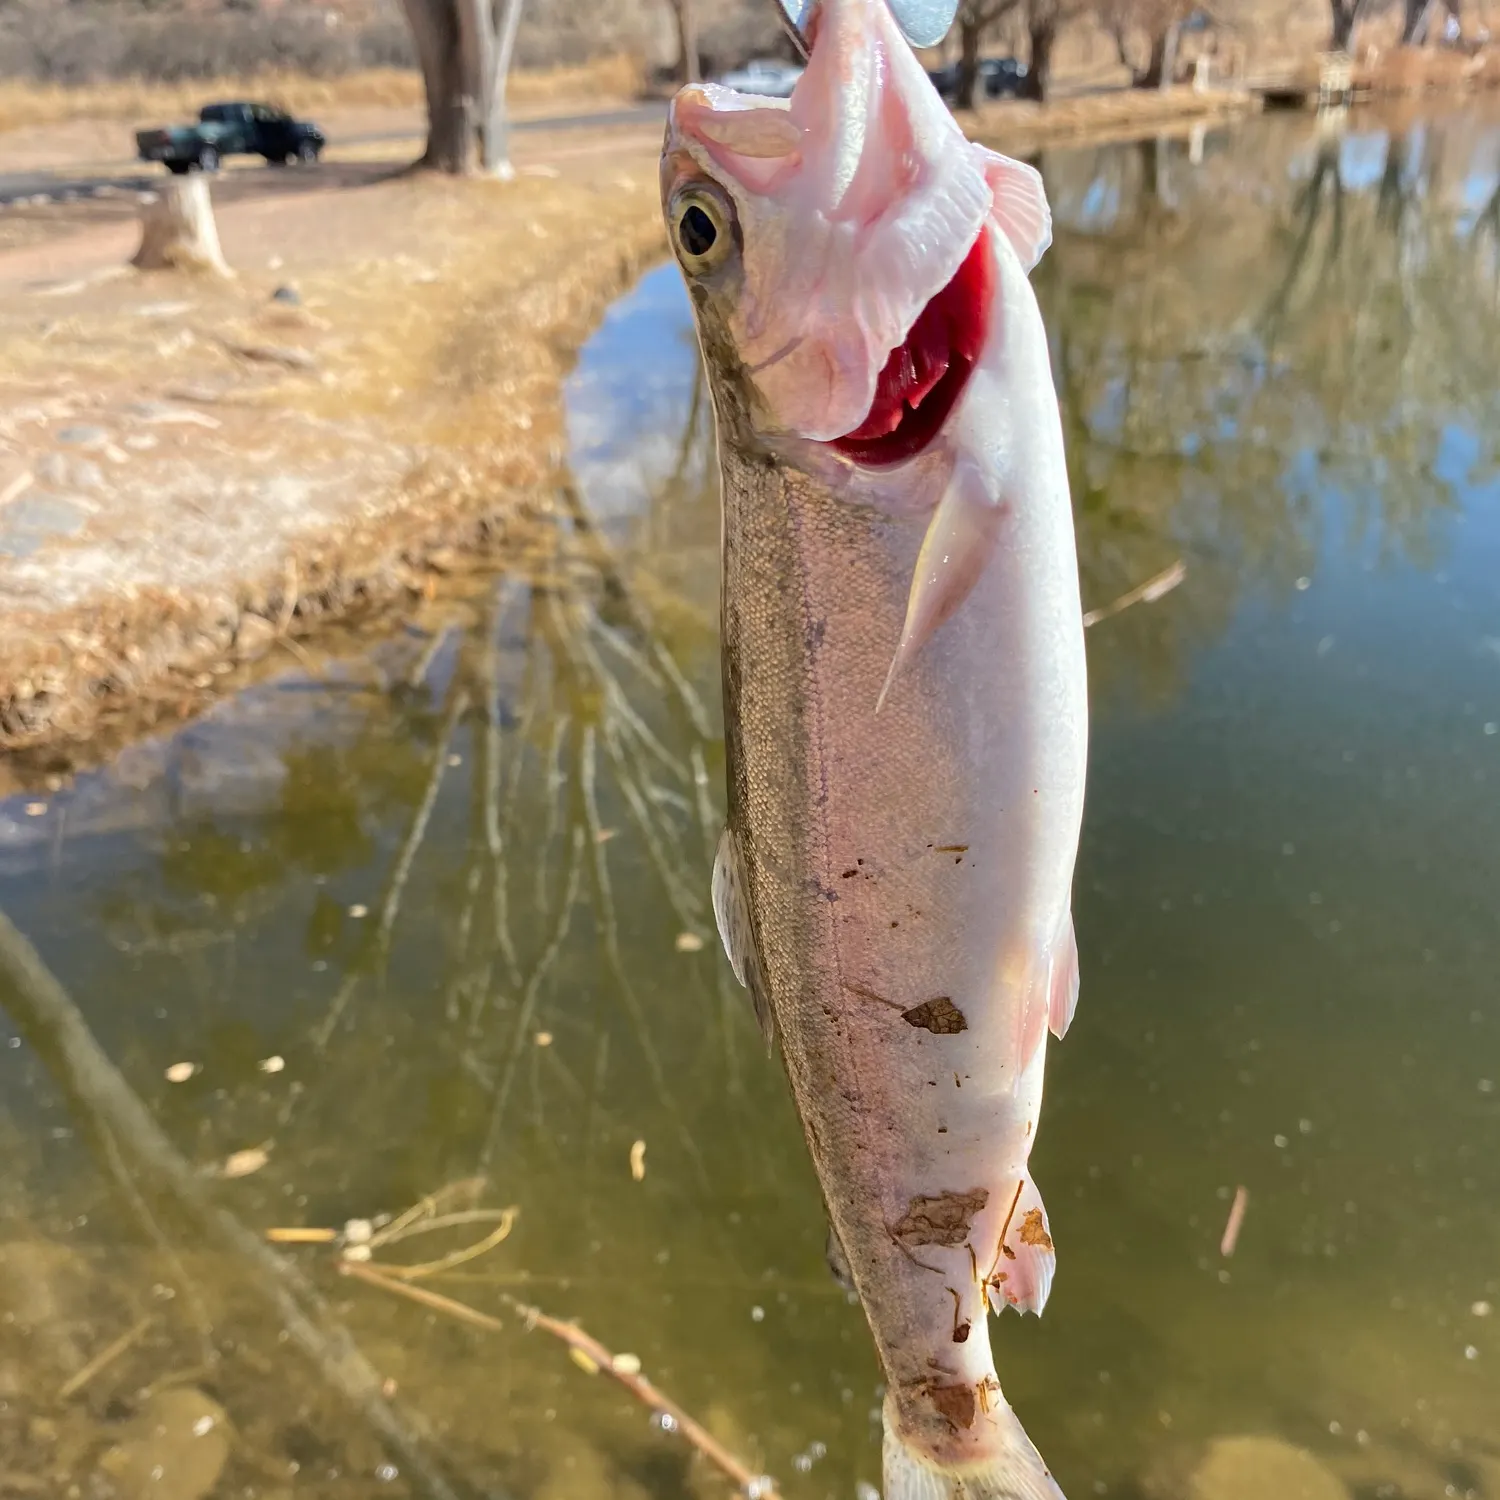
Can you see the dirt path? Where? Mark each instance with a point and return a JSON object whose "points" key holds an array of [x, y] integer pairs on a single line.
{"points": [[193, 472]]}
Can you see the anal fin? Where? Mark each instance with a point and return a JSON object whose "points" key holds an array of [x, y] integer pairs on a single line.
{"points": [[958, 546], [732, 915], [1026, 1260], [1062, 983]]}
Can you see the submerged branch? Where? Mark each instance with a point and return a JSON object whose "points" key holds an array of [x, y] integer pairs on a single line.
{"points": [[107, 1107], [593, 1357]]}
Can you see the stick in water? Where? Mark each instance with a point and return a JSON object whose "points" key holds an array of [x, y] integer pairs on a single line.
{"points": [[1145, 593], [592, 1356], [1236, 1218]]}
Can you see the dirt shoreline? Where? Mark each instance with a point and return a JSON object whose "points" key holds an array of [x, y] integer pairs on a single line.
{"points": [[194, 473]]}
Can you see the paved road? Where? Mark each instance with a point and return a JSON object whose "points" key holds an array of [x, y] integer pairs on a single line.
{"points": [[58, 184]]}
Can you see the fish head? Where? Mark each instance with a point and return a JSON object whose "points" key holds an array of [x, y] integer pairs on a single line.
{"points": [[813, 232]]}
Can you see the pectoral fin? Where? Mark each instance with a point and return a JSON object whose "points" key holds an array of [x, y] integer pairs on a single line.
{"points": [[732, 914], [1063, 981], [959, 543], [1019, 205]]}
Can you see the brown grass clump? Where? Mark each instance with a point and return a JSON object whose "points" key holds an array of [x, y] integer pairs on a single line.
{"points": [[27, 103]]}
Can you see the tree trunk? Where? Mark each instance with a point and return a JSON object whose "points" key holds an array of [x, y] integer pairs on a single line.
{"points": [[1345, 14], [1162, 65], [968, 61], [689, 67], [1168, 73], [1043, 34], [434, 32], [464, 48], [178, 232], [494, 129], [1415, 22]]}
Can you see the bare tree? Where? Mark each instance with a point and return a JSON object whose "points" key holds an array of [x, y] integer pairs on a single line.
{"points": [[1417, 18], [464, 49], [1045, 20], [689, 63], [1159, 23], [1346, 15], [975, 17]]}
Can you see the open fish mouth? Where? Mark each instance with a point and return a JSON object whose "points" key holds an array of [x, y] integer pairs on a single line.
{"points": [[926, 373]]}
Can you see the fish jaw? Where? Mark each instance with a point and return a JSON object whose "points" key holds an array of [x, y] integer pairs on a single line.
{"points": [[856, 202]]}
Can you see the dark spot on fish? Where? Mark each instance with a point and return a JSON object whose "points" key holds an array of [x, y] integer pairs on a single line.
{"points": [[1001, 1276], [956, 1083], [940, 1016], [848, 874], [942, 1130], [958, 859], [1033, 1230], [895, 924], [960, 1323], [859, 861], [939, 1219], [1007, 1252], [955, 1403]]}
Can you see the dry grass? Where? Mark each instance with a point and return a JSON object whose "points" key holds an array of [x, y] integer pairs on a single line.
{"points": [[1413, 70], [25, 103]]}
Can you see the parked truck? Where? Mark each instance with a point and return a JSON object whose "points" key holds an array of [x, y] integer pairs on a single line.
{"points": [[233, 129]]}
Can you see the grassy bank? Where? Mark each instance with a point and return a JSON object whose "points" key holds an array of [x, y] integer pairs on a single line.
{"points": [[27, 103]]}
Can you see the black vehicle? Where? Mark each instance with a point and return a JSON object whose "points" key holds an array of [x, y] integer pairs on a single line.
{"points": [[998, 76], [235, 129]]}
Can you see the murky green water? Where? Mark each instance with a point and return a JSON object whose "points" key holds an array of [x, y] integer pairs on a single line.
{"points": [[458, 885]]}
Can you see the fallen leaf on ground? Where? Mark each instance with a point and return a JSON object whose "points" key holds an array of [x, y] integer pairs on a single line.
{"points": [[272, 1064], [243, 1163], [181, 1072], [689, 942], [638, 1160]]}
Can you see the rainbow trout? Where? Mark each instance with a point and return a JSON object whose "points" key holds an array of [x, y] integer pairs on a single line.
{"points": [[904, 692]]}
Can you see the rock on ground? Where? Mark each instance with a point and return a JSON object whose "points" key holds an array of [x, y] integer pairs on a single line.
{"points": [[1262, 1468]]}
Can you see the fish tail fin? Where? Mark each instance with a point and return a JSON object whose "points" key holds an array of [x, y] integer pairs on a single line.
{"points": [[1016, 1473]]}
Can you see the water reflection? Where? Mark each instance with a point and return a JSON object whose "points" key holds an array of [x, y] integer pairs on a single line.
{"points": [[457, 885]]}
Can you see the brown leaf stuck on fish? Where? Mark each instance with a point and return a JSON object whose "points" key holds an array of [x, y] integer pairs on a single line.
{"points": [[1033, 1230], [940, 1016], [942, 1219], [955, 1403]]}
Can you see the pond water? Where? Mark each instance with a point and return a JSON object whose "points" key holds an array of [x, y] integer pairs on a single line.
{"points": [[438, 910]]}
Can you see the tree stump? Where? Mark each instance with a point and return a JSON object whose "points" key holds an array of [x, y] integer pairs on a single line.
{"points": [[178, 232]]}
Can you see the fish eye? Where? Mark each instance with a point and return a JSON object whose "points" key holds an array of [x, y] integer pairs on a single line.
{"points": [[701, 229]]}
